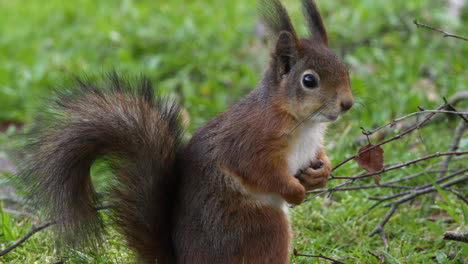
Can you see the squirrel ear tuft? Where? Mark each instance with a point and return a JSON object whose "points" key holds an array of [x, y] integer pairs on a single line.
{"points": [[315, 22], [276, 18], [285, 53]]}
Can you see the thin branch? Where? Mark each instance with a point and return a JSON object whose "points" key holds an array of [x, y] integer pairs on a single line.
{"points": [[329, 190], [426, 171], [334, 261], [457, 189], [412, 176], [414, 191], [444, 178], [339, 187], [31, 232], [452, 100], [460, 196], [462, 125], [380, 257], [36, 229], [384, 221], [404, 164], [383, 199], [394, 121], [417, 126], [379, 228], [388, 184], [390, 197], [462, 237], [361, 187], [446, 34], [427, 190]]}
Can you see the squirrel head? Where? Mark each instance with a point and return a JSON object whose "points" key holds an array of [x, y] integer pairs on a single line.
{"points": [[304, 78]]}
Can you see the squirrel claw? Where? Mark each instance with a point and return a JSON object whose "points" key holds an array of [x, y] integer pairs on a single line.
{"points": [[314, 177], [317, 164]]}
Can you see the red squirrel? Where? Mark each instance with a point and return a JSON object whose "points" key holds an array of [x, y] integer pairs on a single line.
{"points": [[222, 196]]}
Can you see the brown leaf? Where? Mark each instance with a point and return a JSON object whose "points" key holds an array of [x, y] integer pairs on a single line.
{"points": [[371, 161]]}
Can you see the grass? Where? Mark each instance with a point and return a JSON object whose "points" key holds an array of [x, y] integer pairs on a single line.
{"points": [[206, 55]]}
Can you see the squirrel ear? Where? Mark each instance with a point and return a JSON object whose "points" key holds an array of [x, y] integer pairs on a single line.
{"points": [[315, 22], [285, 53], [278, 22], [276, 18]]}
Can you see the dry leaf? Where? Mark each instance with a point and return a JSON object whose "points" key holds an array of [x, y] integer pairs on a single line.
{"points": [[371, 161]]}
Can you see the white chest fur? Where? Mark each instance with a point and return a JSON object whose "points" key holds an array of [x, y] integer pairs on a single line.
{"points": [[306, 141]]}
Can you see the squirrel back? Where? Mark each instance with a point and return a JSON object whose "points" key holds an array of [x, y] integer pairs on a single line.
{"points": [[137, 133]]}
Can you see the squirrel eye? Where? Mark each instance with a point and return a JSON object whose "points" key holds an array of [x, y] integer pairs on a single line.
{"points": [[309, 81]]}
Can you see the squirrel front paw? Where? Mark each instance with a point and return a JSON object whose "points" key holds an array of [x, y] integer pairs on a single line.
{"points": [[295, 193], [316, 176]]}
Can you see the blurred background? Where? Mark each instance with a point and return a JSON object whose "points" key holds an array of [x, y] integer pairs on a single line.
{"points": [[207, 54]]}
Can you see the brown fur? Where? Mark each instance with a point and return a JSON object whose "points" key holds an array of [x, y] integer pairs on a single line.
{"points": [[219, 198], [241, 154], [316, 176]]}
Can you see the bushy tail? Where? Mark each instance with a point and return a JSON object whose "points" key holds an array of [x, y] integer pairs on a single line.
{"points": [[137, 133]]}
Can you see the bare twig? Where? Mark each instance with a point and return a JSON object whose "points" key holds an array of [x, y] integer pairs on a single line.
{"points": [[439, 30], [427, 190], [460, 196], [440, 180], [31, 232], [417, 126], [379, 228], [414, 191], [404, 164], [412, 176], [462, 237], [462, 125], [383, 199], [389, 184], [452, 101], [361, 187], [426, 171], [331, 189], [458, 189], [334, 261], [380, 257], [36, 229], [390, 197], [394, 121]]}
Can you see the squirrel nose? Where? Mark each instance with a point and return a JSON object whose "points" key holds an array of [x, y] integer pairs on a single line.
{"points": [[346, 105]]}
